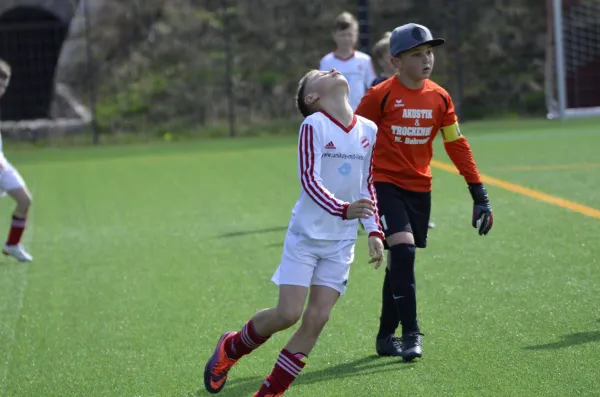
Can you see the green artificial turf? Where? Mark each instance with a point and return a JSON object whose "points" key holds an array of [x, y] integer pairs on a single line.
{"points": [[145, 254]]}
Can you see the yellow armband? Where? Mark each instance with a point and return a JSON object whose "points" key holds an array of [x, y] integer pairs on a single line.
{"points": [[451, 133]]}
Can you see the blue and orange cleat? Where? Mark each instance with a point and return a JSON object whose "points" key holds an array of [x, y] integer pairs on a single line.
{"points": [[217, 368]]}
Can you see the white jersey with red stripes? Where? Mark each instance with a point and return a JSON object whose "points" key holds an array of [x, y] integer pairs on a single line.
{"points": [[334, 166], [357, 69]]}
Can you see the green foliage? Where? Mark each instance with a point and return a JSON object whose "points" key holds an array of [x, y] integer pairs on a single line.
{"points": [[494, 56], [132, 101]]}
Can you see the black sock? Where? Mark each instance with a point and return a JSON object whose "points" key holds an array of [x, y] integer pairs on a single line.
{"points": [[388, 322], [402, 280]]}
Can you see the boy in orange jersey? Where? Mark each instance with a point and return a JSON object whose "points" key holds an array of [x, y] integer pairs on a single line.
{"points": [[381, 57], [409, 110]]}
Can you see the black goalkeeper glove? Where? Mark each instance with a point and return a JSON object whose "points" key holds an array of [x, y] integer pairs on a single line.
{"points": [[483, 218]]}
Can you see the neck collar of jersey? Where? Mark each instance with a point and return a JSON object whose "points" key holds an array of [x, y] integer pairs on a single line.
{"points": [[397, 78], [336, 56], [336, 122]]}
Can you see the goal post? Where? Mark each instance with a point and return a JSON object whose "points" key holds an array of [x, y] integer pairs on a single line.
{"points": [[573, 59]]}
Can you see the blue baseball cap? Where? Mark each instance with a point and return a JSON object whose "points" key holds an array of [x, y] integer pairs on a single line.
{"points": [[409, 36]]}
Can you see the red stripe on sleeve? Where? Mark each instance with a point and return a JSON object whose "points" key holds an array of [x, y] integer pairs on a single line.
{"points": [[372, 191], [325, 193], [307, 168]]}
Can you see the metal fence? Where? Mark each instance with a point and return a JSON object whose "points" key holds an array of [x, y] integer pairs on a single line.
{"points": [[230, 67]]}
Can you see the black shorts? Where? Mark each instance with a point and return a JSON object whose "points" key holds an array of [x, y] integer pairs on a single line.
{"points": [[401, 210]]}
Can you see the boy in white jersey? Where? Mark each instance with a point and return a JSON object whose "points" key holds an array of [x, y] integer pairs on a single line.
{"points": [[356, 66], [12, 183], [334, 161]]}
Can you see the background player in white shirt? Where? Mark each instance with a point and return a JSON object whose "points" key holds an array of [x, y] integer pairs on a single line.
{"points": [[12, 183], [356, 66], [334, 162], [381, 57]]}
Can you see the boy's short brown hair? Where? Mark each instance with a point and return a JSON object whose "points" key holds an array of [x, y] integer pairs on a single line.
{"points": [[382, 47], [305, 109], [5, 69], [344, 21]]}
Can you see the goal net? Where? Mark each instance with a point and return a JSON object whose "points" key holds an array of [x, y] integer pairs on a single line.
{"points": [[573, 58]]}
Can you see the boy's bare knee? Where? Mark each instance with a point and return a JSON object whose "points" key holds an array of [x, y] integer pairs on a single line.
{"points": [[25, 201], [289, 315], [315, 318], [22, 197]]}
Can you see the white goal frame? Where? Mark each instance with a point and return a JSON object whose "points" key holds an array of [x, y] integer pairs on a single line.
{"points": [[556, 87]]}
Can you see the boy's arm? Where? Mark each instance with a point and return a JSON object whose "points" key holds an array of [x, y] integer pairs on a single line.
{"points": [[370, 106], [310, 146], [367, 190], [460, 153], [456, 145]]}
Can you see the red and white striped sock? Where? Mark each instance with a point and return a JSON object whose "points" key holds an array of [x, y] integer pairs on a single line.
{"points": [[244, 342], [286, 370], [17, 227]]}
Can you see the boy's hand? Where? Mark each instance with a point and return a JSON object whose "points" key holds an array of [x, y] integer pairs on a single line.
{"points": [[361, 208], [483, 217], [376, 251]]}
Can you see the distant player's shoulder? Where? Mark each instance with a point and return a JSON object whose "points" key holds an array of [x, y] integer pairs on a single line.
{"points": [[362, 55], [378, 80], [328, 57]]}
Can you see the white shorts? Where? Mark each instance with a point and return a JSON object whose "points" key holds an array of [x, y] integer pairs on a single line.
{"points": [[9, 177], [307, 262]]}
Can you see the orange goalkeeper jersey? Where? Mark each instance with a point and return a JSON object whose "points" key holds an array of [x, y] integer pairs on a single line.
{"points": [[408, 121]]}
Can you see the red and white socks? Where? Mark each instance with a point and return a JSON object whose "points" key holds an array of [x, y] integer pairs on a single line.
{"points": [[286, 370], [244, 342], [17, 227]]}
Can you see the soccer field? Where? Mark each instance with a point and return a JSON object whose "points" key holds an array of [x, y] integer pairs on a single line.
{"points": [[145, 254]]}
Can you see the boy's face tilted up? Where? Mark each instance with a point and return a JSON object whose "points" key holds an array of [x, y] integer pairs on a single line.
{"points": [[323, 83]]}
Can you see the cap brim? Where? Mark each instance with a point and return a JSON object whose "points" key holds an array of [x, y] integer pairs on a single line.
{"points": [[433, 43]]}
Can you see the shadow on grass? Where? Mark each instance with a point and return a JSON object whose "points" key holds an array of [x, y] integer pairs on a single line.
{"points": [[577, 338], [361, 367], [251, 232]]}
